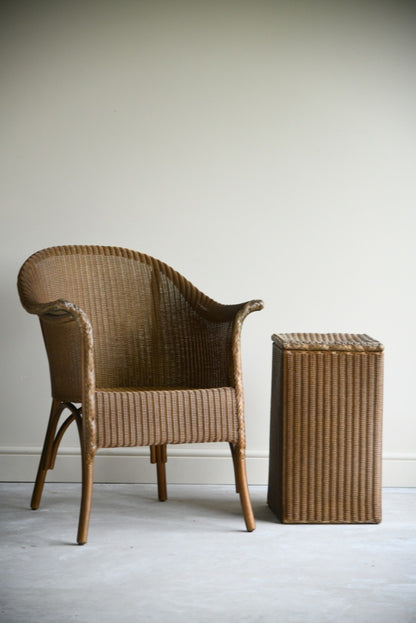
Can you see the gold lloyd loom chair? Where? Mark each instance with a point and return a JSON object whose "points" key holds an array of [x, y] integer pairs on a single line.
{"points": [[150, 359]]}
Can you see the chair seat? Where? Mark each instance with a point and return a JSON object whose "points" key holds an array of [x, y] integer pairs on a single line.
{"points": [[145, 417]]}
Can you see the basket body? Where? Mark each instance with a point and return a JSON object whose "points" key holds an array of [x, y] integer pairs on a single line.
{"points": [[325, 428]]}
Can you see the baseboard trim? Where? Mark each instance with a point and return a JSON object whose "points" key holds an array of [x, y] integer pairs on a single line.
{"points": [[185, 466]]}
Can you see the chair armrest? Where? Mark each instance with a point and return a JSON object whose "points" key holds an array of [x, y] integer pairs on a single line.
{"points": [[56, 308], [216, 312], [244, 310], [247, 308], [56, 314]]}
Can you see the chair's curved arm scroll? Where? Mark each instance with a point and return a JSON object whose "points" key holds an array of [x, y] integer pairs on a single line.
{"points": [[244, 310], [247, 308], [216, 312]]}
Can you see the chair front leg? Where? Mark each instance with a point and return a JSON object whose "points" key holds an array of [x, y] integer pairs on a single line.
{"points": [[86, 498], [239, 459], [87, 464]]}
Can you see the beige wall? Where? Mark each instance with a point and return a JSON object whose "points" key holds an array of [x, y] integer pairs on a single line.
{"points": [[263, 150]]}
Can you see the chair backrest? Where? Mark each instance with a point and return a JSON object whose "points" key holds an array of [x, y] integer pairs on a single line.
{"points": [[147, 323]]}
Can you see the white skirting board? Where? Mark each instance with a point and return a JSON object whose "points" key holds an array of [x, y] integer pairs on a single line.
{"points": [[185, 466]]}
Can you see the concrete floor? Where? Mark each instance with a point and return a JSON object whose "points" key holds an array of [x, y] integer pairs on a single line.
{"points": [[189, 559]]}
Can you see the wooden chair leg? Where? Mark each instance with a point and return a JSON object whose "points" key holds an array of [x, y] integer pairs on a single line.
{"points": [[241, 480], [86, 499], [46, 456], [234, 453], [47, 461], [158, 455]]}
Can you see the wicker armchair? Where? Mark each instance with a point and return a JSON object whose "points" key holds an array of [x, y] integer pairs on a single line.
{"points": [[150, 360]]}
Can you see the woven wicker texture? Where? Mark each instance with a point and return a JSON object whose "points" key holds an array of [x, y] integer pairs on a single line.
{"points": [[145, 418], [325, 440], [327, 341], [151, 359]]}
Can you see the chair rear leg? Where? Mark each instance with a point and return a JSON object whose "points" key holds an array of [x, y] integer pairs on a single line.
{"points": [[158, 455], [45, 462]]}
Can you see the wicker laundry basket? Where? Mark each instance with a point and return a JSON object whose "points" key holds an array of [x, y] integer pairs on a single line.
{"points": [[325, 428]]}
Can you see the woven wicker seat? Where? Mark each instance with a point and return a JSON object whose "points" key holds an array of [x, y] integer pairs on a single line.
{"points": [[138, 356]]}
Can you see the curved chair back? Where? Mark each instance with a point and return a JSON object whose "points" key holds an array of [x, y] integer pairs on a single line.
{"points": [[143, 315]]}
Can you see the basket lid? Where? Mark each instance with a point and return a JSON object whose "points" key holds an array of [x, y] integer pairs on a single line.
{"points": [[327, 341]]}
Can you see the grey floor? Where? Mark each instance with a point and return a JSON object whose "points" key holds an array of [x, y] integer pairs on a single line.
{"points": [[189, 559]]}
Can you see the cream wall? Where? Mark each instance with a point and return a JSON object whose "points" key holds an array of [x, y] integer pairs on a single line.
{"points": [[264, 149]]}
